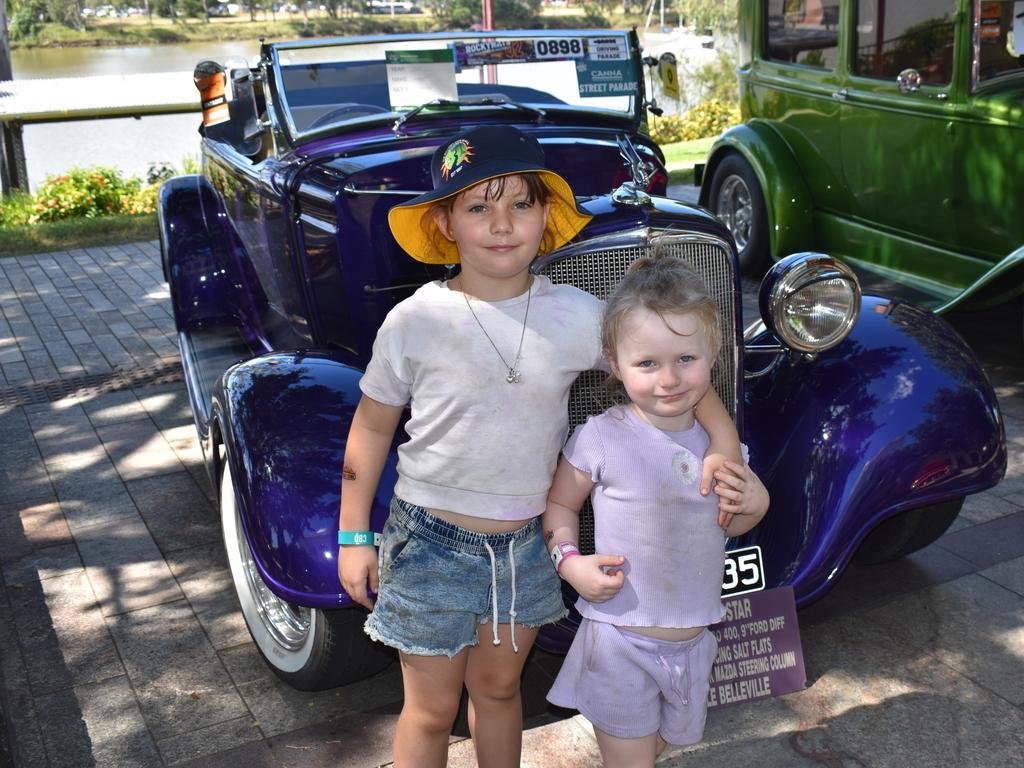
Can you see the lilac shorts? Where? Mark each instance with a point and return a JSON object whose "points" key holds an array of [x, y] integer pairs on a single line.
{"points": [[630, 686]]}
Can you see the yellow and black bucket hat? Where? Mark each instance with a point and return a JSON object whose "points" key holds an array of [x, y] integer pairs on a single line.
{"points": [[477, 155]]}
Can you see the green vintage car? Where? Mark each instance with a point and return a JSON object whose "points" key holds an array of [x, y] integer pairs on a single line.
{"points": [[890, 134]]}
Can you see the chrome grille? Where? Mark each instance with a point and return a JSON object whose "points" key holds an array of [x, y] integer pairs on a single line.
{"points": [[597, 266]]}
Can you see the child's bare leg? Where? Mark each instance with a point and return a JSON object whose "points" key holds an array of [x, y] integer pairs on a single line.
{"points": [[661, 745], [433, 688], [495, 703], [627, 753]]}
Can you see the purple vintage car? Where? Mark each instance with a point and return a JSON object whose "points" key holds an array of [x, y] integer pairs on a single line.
{"points": [[868, 418]]}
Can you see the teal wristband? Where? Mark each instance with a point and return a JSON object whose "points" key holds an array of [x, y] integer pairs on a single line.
{"points": [[358, 538]]}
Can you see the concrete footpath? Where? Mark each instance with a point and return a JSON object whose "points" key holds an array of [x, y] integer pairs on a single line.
{"points": [[121, 642]]}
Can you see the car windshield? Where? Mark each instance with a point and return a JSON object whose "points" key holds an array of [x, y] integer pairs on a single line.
{"points": [[1000, 38], [323, 85]]}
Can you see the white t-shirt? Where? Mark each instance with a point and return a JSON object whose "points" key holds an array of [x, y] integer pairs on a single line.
{"points": [[478, 445]]}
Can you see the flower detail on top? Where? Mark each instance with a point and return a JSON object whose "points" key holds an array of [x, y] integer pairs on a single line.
{"points": [[686, 466], [457, 153]]}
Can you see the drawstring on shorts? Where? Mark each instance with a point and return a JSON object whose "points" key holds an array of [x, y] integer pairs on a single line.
{"points": [[494, 592], [684, 689]]}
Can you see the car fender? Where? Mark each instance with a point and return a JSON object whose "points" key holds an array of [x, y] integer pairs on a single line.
{"points": [[1001, 283], [788, 200], [202, 259], [899, 415], [284, 420]]}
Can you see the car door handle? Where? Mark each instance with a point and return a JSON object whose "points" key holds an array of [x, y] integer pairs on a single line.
{"points": [[841, 94]]}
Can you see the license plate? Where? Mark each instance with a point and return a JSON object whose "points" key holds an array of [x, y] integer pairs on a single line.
{"points": [[743, 571]]}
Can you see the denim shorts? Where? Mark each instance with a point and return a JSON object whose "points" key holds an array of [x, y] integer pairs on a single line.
{"points": [[439, 582], [630, 685]]}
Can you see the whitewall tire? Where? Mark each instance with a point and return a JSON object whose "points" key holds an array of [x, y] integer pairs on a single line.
{"points": [[308, 648]]}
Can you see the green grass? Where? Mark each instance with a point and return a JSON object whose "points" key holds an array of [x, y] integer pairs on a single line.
{"points": [[687, 152], [680, 176], [682, 156], [76, 233]]}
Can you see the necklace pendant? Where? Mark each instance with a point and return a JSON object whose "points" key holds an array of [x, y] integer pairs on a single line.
{"points": [[513, 377]]}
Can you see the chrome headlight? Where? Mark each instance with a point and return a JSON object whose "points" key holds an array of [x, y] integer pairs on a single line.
{"points": [[810, 301]]}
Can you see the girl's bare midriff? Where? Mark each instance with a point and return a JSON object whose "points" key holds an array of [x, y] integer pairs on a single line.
{"points": [[478, 524], [672, 634]]}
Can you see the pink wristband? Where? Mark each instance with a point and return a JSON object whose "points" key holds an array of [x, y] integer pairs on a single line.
{"points": [[562, 552]]}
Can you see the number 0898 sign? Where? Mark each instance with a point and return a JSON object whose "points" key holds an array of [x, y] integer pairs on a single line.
{"points": [[560, 48], [743, 571]]}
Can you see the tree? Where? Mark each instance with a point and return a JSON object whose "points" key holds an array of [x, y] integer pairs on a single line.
{"points": [[508, 14], [26, 18], [66, 12], [332, 7], [721, 16], [190, 9], [6, 73]]}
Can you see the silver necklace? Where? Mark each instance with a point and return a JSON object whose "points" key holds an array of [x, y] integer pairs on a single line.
{"points": [[514, 375]]}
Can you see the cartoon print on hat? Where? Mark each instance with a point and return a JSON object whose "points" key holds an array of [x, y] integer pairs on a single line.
{"points": [[478, 155], [458, 152]]}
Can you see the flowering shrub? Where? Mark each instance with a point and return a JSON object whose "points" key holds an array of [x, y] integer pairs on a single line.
{"points": [[86, 192], [667, 129], [15, 210], [709, 118], [142, 199]]}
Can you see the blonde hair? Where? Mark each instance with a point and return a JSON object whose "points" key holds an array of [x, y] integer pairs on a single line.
{"points": [[663, 285], [536, 192]]}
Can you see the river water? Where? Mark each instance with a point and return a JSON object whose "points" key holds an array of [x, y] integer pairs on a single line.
{"points": [[125, 143]]}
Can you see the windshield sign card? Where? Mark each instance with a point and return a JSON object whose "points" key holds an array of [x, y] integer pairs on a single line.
{"points": [[419, 77], [606, 78], [608, 49]]}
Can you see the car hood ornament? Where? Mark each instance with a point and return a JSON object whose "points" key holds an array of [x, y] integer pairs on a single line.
{"points": [[633, 192]]}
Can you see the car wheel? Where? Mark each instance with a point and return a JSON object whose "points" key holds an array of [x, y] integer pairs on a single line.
{"points": [[736, 198], [308, 648], [907, 532]]}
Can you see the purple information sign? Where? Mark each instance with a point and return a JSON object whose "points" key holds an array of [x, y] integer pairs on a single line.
{"points": [[759, 651]]}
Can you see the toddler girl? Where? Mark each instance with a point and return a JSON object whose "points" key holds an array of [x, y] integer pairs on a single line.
{"points": [[639, 665]]}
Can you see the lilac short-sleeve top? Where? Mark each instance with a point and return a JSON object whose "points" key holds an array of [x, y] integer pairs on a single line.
{"points": [[648, 507]]}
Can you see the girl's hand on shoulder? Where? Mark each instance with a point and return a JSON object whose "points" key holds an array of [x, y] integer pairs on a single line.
{"points": [[742, 495], [357, 570], [713, 463], [597, 578]]}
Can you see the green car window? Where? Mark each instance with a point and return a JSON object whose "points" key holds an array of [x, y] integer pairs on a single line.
{"points": [[1000, 38], [803, 32], [892, 37]]}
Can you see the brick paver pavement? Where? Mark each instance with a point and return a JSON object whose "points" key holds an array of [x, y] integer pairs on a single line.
{"points": [[84, 312], [121, 643]]}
